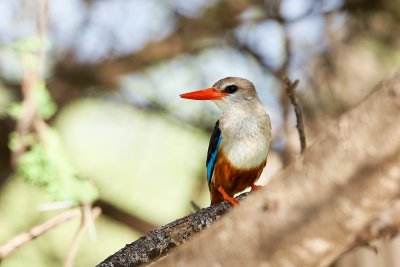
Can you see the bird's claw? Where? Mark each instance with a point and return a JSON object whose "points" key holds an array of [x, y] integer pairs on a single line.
{"points": [[255, 187], [231, 200]]}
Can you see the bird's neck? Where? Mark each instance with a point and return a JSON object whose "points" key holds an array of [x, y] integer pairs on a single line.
{"points": [[245, 121]]}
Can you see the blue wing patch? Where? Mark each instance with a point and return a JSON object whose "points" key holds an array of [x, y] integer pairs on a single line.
{"points": [[215, 141]]}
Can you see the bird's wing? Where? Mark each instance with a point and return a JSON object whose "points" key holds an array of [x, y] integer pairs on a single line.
{"points": [[215, 141]]}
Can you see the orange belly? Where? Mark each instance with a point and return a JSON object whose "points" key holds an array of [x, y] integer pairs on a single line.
{"points": [[233, 180]]}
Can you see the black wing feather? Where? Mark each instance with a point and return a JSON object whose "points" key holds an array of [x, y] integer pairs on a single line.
{"points": [[212, 150]]}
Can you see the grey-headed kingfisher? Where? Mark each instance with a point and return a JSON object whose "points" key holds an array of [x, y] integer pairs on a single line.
{"points": [[239, 144]]}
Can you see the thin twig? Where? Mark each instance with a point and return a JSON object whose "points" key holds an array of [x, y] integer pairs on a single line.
{"points": [[194, 205], [89, 220], [32, 75], [387, 224], [36, 231], [73, 248], [290, 91], [128, 219]]}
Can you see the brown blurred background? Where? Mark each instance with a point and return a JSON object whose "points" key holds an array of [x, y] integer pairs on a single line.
{"points": [[89, 106]]}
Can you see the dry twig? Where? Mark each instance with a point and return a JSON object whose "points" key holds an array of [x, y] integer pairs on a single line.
{"points": [[195, 206], [134, 222], [85, 220], [36, 231], [387, 224], [290, 91], [33, 65], [8, 247]]}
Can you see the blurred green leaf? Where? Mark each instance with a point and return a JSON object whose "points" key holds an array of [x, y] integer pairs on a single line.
{"points": [[28, 45], [46, 106], [15, 110], [46, 165], [16, 141]]}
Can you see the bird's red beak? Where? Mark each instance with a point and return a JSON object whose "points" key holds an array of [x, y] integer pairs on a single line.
{"points": [[205, 94]]}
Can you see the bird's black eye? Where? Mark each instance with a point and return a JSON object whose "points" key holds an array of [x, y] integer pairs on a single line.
{"points": [[231, 89]]}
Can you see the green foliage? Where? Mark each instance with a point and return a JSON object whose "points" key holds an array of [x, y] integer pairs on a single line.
{"points": [[45, 105], [15, 110], [28, 45], [46, 165], [44, 162]]}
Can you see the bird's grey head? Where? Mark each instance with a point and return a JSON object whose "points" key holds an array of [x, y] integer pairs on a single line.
{"points": [[239, 92]]}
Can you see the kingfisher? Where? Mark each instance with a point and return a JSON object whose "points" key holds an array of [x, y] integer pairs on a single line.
{"points": [[240, 141]]}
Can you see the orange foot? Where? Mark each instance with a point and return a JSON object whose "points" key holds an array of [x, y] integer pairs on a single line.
{"points": [[227, 197], [255, 187]]}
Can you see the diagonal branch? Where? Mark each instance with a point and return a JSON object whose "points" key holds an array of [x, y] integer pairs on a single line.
{"points": [[160, 241], [319, 206], [8, 247], [36, 231], [323, 200]]}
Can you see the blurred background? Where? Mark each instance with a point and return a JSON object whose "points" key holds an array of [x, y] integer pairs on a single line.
{"points": [[90, 114]]}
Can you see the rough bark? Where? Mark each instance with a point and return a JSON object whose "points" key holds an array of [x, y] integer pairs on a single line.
{"points": [[316, 208], [159, 241]]}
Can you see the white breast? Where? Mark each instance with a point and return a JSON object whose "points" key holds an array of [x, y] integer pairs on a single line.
{"points": [[246, 138], [247, 153]]}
